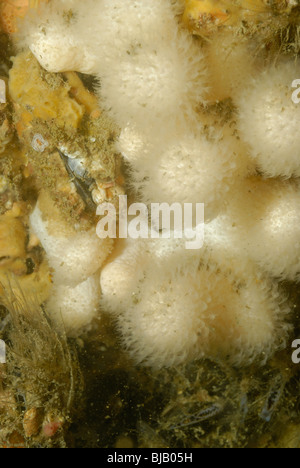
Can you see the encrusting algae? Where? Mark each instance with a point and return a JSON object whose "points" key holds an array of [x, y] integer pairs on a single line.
{"points": [[49, 121], [36, 98], [141, 343]]}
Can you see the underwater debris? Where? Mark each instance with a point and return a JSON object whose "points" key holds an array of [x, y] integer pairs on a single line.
{"points": [[6, 51], [52, 424], [273, 399], [12, 244], [32, 422], [19, 256], [205, 404], [208, 410], [83, 183], [267, 22], [205, 16], [42, 375], [6, 133]]}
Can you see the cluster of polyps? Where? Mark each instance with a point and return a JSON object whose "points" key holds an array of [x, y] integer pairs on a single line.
{"points": [[170, 304]]}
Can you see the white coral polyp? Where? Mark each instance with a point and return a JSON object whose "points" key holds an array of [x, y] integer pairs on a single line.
{"points": [[48, 52], [170, 304], [131, 144], [125, 24], [188, 169], [155, 83], [263, 219], [178, 307], [52, 38], [148, 68], [75, 307], [74, 258], [65, 26], [269, 120]]}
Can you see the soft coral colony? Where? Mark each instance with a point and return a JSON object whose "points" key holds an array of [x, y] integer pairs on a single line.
{"points": [[201, 93]]}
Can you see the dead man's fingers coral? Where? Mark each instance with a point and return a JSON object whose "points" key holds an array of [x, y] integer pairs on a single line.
{"points": [[74, 307], [178, 308], [150, 70], [73, 256], [185, 169], [269, 120], [156, 83], [263, 221], [52, 37]]}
